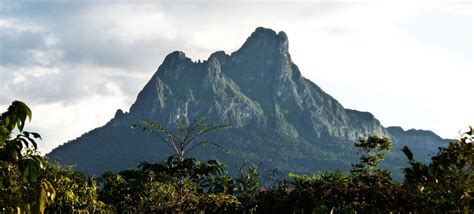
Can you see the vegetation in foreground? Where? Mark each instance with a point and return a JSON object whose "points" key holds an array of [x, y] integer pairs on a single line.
{"points": [[30, 184]]}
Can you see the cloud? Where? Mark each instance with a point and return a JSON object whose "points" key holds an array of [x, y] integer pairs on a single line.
{"points": [[66, 84], [63, 51], [26, 43]]}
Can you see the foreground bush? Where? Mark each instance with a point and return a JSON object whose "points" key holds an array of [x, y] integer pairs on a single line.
{"points": [[22, 189], [180, 184], [175, 185], [74, 191], [28, 183]]}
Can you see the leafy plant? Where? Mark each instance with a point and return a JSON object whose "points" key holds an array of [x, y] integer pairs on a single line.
{"points": [[21, 187], [447, 183], [184, 138], [74, 191], [372, 151], [177, 184], [248, 185], [172, 185]]}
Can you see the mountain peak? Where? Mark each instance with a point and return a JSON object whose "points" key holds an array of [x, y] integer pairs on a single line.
{"points": [[176, 54], [261, 32], [175, 57], [266, 37], [219, 55]]}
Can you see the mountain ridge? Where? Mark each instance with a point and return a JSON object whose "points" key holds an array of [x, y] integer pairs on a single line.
{"points": [[276, 114]]}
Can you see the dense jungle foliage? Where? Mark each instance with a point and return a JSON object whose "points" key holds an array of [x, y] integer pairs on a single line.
{"points": [[31, 184]]}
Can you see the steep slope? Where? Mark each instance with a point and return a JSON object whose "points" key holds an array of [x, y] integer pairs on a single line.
{"points": [[277, 116]]}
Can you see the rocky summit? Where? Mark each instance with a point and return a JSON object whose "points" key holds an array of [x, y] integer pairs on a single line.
{"points": [[277, 117]]}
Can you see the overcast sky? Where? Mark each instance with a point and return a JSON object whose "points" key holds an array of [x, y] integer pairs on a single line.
{"points": [[76, 62]]}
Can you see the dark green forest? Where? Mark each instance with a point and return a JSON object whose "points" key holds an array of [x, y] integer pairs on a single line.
{"points": [[30, 183]]}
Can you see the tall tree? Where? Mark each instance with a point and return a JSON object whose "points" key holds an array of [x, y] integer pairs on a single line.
{"points": [[184, 138]]}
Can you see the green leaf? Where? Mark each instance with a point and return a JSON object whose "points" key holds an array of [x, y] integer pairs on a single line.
{"points": [[35, 135], [16, 116], [25, 141], [30, 169], [24, 108], [33, 142]]}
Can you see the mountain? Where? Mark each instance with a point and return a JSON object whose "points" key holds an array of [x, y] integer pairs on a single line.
{"points": [[423, 143], [276, 116]]}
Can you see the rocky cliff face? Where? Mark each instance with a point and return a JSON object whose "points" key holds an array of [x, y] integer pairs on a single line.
{"points": [[277, 116], [256, 85]]}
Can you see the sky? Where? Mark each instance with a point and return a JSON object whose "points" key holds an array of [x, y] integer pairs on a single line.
{"points": [[76, 62]]}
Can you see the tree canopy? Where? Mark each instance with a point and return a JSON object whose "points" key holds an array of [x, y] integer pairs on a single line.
{"points": [[31, 184]]}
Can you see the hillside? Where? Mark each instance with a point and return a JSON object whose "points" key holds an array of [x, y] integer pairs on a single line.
{"points": [[276, 116]]}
